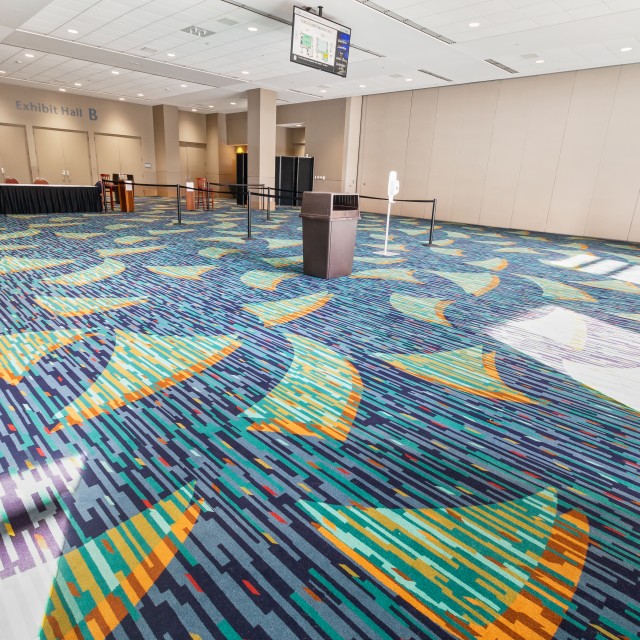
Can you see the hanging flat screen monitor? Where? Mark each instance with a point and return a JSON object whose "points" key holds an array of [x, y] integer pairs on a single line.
{"points": [[319, 43]]}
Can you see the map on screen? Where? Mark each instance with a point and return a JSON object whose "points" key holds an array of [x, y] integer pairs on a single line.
{"points": [[319, 43]]}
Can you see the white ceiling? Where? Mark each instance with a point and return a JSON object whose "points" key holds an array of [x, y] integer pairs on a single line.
{"points": [[392, 40]]}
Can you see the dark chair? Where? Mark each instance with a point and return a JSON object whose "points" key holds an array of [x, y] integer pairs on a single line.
{"points": [[109, 190]]}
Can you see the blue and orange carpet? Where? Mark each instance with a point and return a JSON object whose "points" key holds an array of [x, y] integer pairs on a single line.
{"points": [[197, 441]]}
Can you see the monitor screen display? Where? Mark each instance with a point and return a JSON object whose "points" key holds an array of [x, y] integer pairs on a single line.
{"points": [[319, 43]]}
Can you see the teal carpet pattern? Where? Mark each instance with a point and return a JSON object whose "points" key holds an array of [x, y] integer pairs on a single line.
{"points": [[197, 441]]}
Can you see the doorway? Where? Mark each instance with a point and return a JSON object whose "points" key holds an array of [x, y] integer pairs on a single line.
{"points": [[63, 156], [14, 153], [119, 154]]}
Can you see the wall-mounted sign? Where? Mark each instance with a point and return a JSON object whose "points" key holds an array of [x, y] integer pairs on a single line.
{"points": [[57, 110], [147, 165]]}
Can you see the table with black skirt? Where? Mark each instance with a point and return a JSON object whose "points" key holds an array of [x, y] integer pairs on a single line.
{"points": [[49, 198]]}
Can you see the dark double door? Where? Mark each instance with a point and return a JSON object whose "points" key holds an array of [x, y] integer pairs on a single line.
{"points": [[294, 174]]}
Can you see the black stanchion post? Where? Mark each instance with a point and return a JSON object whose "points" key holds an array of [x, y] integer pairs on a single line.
{"points": [[433, 220], [248, 214], [179, 204], [104, 195], [268, 203]]}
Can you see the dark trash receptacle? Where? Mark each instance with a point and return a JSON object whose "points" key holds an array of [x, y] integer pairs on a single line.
{"points": [[329, 225]]}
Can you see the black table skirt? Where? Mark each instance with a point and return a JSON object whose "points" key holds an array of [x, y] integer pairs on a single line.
{"points": [[26, 198]]}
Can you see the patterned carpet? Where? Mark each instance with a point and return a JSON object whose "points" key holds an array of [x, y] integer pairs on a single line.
{"points": [[197, 441]]}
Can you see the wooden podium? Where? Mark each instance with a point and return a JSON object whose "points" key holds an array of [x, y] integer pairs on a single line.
{"points": [[125, 191], [190, 197]]}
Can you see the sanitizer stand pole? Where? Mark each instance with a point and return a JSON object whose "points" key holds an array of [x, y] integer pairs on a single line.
{"points": [[386, 232], [392, 190]]}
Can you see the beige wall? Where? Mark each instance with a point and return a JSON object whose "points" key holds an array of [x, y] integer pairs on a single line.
{"points": [[212, 149], [325, 132], [116, 118], [328, 137], [290, 141], [557, 153], [167, 144], [192, 127], [236, 129]]}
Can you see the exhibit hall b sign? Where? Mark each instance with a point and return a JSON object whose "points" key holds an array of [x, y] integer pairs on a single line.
{"points": [[57, 109]]}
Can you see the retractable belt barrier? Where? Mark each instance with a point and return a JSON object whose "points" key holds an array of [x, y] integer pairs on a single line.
{"points": [[248, 193], [433, 202], [180, 187]]}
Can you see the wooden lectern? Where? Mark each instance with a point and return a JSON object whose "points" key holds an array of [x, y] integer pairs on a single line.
{"points": [[191, 197], [125, 191]]}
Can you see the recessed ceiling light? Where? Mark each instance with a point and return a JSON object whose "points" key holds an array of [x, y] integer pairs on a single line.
{"points": [[233, 103], [362, 86], [323, 91], [244, 73], [3, 72], [77, 84], [61, 89], [193, 109], [473, 25], [625, 49], [141, 95], [184, 86], [211, 106], [115, 73], [298, 125], [171, 55], [121, 99], [252, 29], [72, 31], [28, 55], [408, 79], [539, 61]]}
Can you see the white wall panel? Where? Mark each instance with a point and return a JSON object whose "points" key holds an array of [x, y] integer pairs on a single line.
{"points": [[475, 132], [547, 121], [446, 147], [582, 146], [413, 181], [618, 182], [385, 125], [558, 152], [396, 136], [634, 231], [513, 112]]}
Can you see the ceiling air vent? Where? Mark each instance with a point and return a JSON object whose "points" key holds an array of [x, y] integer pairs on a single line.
{"points": [[228, 22], [148, 50], [504, 67], [197, 31], [530, 56], [435, 75]]}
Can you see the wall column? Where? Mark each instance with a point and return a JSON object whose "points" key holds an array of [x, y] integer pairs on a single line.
{"points": [[351, 152], [167, 144], [261, 136]]}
